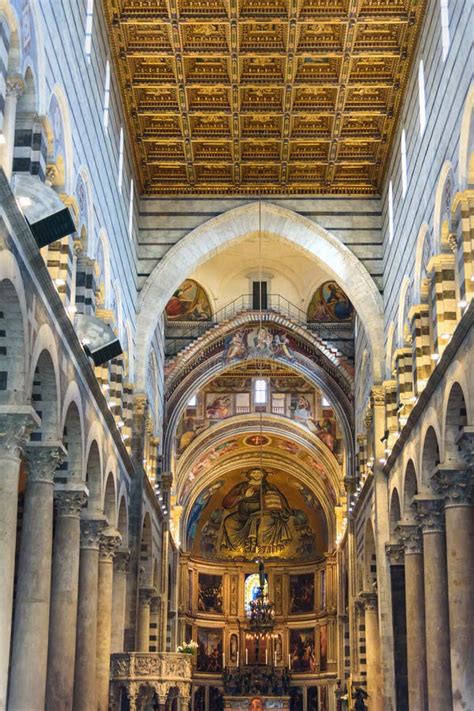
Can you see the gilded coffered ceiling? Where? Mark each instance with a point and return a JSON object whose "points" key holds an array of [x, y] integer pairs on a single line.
{"points": [[262, 96]]}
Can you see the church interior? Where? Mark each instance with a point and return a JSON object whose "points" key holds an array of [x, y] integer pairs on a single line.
{"points": [[236, 355]]}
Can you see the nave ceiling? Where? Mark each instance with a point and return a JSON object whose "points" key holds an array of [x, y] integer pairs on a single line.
{"points": [[262, 96]]}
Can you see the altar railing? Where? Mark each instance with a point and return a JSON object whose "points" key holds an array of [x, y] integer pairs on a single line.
{"points": [[144, 675]]}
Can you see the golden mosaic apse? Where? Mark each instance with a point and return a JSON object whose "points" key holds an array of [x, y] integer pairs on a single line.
{"points": [[262, 96]]}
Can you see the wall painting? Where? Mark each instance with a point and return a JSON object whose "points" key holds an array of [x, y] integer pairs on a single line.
{"points": [[302, 650], [210, 594], [209, 655], [329, 303], [189, 303], [301, 593]]}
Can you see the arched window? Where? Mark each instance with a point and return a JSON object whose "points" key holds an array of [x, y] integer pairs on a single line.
{"points": [[421, 96], [106, 95], [445, 39], [130, 210], [390, 212], [120, 163], [88, 34], [403, 151], [260, 392]]}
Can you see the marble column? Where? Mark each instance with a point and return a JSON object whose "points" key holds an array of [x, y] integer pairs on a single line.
{"points": [[430, 514], [30, 635], [415, 614], [119, 596], [14, 432], [64, 591], [85, 691], [372, 646], [455, 485], [15, 88], [109, 541], [145, 596]]}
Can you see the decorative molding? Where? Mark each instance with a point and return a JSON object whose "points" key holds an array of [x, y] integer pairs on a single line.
{"points": [[91, 530], [69, 503], [122, 561], [43, 460], [394, 553], [456, 486], [15, 429], [410, 538], [429, 512], [109, 541]]}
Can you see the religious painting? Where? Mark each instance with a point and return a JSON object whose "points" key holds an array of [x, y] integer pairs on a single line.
{"points": [[302, 650], [323, 648], [302, 407], [325, 429], [188, 429], [256, 705], [198, 507], [251, 589], [199, 701], [301, 593], [210, 593], [256, 513], [218, 406], [189, 303], [312, 698], [209, 655], [258, 343], [329, 303], [257, 440], [296, 698]]}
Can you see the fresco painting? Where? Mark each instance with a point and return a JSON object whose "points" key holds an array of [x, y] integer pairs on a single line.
{"points": [[329, 303], [189, 303]]}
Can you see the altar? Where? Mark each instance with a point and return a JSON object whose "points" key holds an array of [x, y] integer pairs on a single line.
{"points": [[256, 703]]}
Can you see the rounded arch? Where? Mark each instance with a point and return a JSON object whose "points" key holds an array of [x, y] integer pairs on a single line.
{"points": [[395, 513], [73, 440], [370, 558], [410, 489], [424, 252], [466, 144], [216, 234], [94, 478], [122, 519], [403, 308], [83, 193], [44, 385], [9, 19], [430, 455], [60, 118], [109, 499], [445, 190], [14, 322], [455, 418], [34, 54]]}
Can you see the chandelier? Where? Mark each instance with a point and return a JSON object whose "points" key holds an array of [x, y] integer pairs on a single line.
{"points": [[262, 611]]}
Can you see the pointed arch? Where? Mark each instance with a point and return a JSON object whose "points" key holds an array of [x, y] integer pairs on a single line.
{"points": [[218, 233]]}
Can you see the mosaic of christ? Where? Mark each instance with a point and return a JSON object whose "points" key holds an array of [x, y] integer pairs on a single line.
{"points": [[259, 514]]}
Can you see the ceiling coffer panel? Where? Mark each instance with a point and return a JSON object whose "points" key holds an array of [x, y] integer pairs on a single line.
{"points": [[262, 97]]}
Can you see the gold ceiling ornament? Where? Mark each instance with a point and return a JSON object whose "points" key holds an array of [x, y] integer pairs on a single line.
{"points": [[312, 78]]}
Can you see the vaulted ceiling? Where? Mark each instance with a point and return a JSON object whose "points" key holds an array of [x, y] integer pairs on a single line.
{"points": [[262, 96]]}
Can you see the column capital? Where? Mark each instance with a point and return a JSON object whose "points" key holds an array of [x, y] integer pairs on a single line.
{"points": [[155, 603], [109, 541], [145, 595], [15, 86], [454, 485], [429, 513], [70, 501], [15, 428], [121, 561], [91, 529], [43, 460], [394, 553], [369, 600], [377, 395], [410, 538]]}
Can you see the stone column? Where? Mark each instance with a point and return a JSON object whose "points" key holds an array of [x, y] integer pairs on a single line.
{"points": [[143, 636], [15, 88], [119, 596], [64, 591], [109, 541], [30, 646], [415, 613], [85, 696], [14, 428], [455, 485], [430, 513], [372, 645]]}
